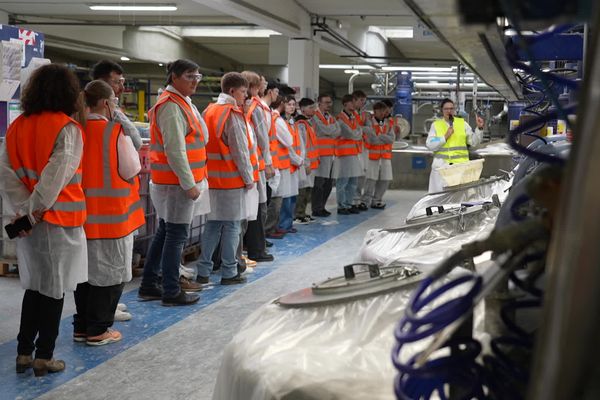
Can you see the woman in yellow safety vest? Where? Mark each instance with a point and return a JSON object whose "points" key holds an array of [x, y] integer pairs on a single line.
{"points": [[448, 138]]}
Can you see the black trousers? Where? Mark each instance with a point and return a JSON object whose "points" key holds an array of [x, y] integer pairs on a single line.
{"points": [[40, 316], [96, 307], [255, 234], [320, 193]]}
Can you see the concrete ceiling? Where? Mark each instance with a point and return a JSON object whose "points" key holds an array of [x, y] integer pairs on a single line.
{"points": [[292, 17]]}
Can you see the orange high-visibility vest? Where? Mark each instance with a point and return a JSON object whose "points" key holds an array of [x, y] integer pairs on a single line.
{"points": [[222, 171], [255, 102], [160, 170], [114, 208], [325, 145], [253, 150], [30, 142], [377, 151], [311, 143], [347, 147], [362, 119], [273, 140], [295, 144]]}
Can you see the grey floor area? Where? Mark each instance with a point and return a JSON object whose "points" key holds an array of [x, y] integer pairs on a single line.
{"points": [[182, 362]]}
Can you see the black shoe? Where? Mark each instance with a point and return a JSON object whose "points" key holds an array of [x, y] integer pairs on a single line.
{"points": [[322, 213], [202, 279], [236, 280], [378, 206], [268, 244], [362, 207], [327, 213], [343, 211], [354, 210], [182, 299], [265, 257], [150, 293], [241, 268]]}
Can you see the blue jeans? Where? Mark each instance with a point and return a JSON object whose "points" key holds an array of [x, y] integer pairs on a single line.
{"points": [[228, 232], [345, 190], [165, 253], [286, 215]]}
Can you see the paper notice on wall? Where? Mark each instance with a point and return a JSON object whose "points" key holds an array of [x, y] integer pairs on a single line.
{"points": [[14, 110], [8, 88], [11, 54]]}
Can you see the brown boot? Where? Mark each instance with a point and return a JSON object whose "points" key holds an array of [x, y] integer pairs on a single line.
{"points": [[41, 366], [23, 363]]}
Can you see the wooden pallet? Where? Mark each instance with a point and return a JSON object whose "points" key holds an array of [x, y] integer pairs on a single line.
{"points": [[9, 268]]}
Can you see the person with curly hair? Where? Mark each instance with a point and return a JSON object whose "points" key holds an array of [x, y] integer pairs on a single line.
{"points": [[40, 176]]}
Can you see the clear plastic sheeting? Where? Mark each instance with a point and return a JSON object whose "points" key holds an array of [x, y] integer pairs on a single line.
{"points": [[334, 352], [454, 198], [427, 244], [497, 148]]}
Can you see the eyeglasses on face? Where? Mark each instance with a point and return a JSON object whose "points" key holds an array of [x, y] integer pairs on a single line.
{"points": [[192, 77], [114, 100], [118, 81], [448, 108]]}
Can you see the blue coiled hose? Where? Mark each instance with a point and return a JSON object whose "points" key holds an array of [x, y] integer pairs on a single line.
{"points": [[458, 369]]}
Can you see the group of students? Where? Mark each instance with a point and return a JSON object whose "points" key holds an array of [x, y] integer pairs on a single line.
{"points": [[70, 161]]}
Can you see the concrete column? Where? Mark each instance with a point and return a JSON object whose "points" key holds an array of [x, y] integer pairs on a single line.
{"points": [[303, 65]]}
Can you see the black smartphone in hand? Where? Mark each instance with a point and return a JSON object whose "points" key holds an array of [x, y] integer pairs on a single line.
{"points": [[20, 224]]}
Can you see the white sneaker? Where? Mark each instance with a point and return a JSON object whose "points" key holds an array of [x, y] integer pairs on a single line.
{"points": [[122, 307], [122, 315]]}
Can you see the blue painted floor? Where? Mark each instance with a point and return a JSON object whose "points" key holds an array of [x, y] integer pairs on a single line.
{"points": [[151, 318]]}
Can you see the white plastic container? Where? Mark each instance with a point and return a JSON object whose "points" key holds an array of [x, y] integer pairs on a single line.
{"points": [[458, 174]]}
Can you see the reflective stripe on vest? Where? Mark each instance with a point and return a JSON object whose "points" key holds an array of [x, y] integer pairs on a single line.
{"points": [[455, 149], [222, 170], [347, 147], [30, 141], [160, 170], [384, 150], [113, 204], [254, 152], [325, 145], [312, 150]]}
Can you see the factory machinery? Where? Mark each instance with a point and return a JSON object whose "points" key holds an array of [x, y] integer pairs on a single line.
{"points": [[488, 290]]}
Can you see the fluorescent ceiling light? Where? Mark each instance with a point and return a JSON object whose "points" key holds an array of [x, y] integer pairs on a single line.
{"points": [[214, 31], [400, 32], [125, 58], [137, 7], [344, 66], [429, 69]]}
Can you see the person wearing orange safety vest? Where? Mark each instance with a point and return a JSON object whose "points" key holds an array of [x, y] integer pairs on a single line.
{"points": [[364, 120], [347, 167], [231, 179], [327, 130], [379, 164], [258, 115], [310, 152], [179, 185], [114, 213], [449, 138], [288, 187], [40, 177]]}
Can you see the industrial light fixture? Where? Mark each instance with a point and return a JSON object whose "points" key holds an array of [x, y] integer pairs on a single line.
{"points": [[409, 68], [135, 7], [345, 66], [235, 32], [160, 64], [125, 58]]}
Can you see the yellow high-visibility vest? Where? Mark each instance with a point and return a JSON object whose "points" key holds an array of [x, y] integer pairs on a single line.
{"points": [[455, 149]]}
